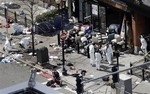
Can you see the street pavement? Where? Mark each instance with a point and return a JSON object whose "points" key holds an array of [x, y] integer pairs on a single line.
{"points": [[14, 73]]}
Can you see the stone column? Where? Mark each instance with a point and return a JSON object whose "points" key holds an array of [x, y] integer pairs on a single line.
{"points": [[138, 26]]}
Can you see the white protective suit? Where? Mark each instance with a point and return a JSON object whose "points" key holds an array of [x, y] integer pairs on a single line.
{"points": [[103, 50], [109, 53], [7, 45], [98, 59], [25, 42], [143, 45], [83, 39], [91, 52]]}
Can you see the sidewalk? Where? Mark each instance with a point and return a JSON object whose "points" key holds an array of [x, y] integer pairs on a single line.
{"points": [[82, 62]]}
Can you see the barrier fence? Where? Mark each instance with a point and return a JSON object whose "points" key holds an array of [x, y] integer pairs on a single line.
{"points": [[143, 71]]}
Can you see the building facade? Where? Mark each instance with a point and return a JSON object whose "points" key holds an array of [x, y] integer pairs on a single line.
{"points": [[102, 13], [105, 12]]}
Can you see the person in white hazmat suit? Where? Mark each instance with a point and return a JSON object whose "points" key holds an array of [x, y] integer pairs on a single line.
{"points": [[92, 55], [98, 59], [109, 53], [143, 44], [7, 45], [25, 42]]}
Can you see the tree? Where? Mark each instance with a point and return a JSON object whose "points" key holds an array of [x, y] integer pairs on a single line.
{"points": [[46, 16], [31, 9]]}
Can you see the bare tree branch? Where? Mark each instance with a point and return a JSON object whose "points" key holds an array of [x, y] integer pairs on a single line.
{"points": [[35, 10], [31, 8], [26, 3], [28, 11]]}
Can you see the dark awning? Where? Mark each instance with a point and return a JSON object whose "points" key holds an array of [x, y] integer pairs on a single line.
{"points": [[139, 6], [114, 4]]}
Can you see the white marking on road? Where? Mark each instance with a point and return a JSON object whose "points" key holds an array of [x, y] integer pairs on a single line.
{"points": [[57, 88], [69, 89], [137, 83], [44, 83], [49, 79], [38, 73]]}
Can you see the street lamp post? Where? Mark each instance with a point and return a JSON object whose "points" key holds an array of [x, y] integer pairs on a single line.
{"points": [[32, 31], [25, 21], [6, 17], [64, 71], [58, 5], [117, 57]]}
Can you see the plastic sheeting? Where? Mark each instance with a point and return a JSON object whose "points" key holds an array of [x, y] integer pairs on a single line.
{"points": [[25, 42], [7, 60]]}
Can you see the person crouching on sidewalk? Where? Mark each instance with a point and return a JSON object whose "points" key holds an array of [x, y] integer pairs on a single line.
{"points": [[56, 79]]}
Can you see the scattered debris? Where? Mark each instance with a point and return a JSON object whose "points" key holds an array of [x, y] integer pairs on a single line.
{"points": [[7, 60]]}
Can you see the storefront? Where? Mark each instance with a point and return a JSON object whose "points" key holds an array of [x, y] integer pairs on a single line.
{"points": [[95, 13], [140, 11], [104, 13]]}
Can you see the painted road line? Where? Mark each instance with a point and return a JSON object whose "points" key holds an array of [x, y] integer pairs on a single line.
{"points": [[69, 89], [44, 83]]}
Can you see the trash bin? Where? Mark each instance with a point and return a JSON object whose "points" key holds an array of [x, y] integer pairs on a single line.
{"points": [[42, 55], [125, 84]]}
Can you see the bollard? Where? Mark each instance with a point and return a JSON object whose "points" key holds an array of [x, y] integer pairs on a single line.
{"points": [[145, 59], [58, 39], [78, 48], [143, 76], [115, 77], [15, 16], [117, 56], [131, 69], [25, 20]]}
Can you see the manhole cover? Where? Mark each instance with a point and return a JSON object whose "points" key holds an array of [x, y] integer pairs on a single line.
{"points": [[12, 6]]}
